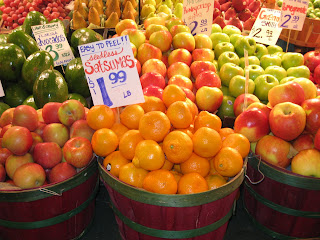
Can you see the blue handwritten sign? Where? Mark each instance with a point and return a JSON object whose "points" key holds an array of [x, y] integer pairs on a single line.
{"points": [[293, 14]]}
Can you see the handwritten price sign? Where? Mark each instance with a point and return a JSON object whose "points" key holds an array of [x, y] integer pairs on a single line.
{"points": [[293, 14], [197, 15], [266, 27], [50, 37], [111, 72]]}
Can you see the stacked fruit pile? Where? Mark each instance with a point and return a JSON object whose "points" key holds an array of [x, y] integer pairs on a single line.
{"points": [[165, 9]]}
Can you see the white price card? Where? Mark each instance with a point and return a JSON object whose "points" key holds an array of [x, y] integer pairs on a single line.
{"points": [[266, 28], [293, 14], [1, 90], [51, 38], [197, 15], [111, 72]]}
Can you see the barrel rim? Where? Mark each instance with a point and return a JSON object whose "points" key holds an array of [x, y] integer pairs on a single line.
{"points": [[283, 175], [54, 189], [170, 200]]}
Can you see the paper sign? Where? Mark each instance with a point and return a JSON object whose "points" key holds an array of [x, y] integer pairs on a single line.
{"points": [[111, 72], [266, 28], [51, 38], [197, 15], [1, 90], [293, 14]]}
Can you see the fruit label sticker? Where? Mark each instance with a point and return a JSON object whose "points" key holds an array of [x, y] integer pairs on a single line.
{"points": [[197, 15], [51, 38], [111, 72], [266, 28], [293, 14]]}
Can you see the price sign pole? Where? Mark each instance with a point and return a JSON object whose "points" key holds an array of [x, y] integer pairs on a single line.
{"points": [[266, 28], [111, 72], [197, 15]]}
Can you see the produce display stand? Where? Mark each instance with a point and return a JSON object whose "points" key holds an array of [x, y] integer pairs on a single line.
{"points": [[282, 204], [57, 211]]}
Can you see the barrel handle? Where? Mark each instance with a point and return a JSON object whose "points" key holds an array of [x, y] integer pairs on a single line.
{"points": [[258, 167], [45, 190]]}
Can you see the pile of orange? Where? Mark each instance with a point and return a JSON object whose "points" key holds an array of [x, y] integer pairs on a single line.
{"points": [[166, 146]]}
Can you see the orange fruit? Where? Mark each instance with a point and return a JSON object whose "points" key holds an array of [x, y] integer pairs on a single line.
{"points": [[148, 155], [167, 165], [179, 114], [192, 183], [206, 142], [104, 141], [181, 81], [154, 125], [177, 146], [224, 132], [152, 103], [113, 162], [186, 130], [238, 142], [119, 129], [132, 175], [207, 119], [215, 181], [160, 181], [228, 162], [128, 143], [100, 116], [172, 93], [196, 164], [176, 175], [131, 115]]}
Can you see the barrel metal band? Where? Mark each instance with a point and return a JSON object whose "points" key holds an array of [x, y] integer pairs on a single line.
{"points": [[172, 234], [279, 208], [54, 220]]}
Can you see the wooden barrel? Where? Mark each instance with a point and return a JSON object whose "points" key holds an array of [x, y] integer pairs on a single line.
{"points": [[61, 211], [284, 205], [143, 215]]}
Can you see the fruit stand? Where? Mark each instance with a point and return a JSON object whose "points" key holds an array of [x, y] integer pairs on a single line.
{"points": [[128, 114]]}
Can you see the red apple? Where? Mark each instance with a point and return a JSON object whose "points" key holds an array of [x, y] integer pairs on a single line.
{"points": [[307, 163], [125, 24], [29, 175], [263, 107], [56, 132], [189, 94], [147, 51], [4, 129], [198, 67], [287, 120], [25, 116], [81, 128], [138, 66], [152, 79], [78, 151], [180, 55], [154, 65], [39, 112], [2, 173], [275, 150], [153, 91], [178, 68], [40, 128], [14, 161], [71, 111], [312, 109], [4, 154], [303, 142], [47, 154], [6, 117], [61, 172], [50, 112], [203, 54], [36, 139], [209, 98], [208, 78], [317, 140], [252, 123], [238, 105], [184, 40], [18, 140]]}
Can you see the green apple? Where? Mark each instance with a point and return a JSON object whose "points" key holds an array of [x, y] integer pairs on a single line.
{"points": [[226, 107], [286, 79], [278, 72], [247, 43], [300, 71], [226, 57], [260, 50], [234, 38], [292, 59], [270, 60], [237, 86], [255, 71], [225, 90], [274, 48], [203, 41], [222, 47], [253, 60], [228, 71], [218, 37], [230, 29], [280, 54], [263, 84], [216, 28]]}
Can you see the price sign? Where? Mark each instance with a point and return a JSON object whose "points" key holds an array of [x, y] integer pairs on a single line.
{"points": [[51, 38], [111, 72], [293, 14], [1, 90], [266, 27], [197, 15]]}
